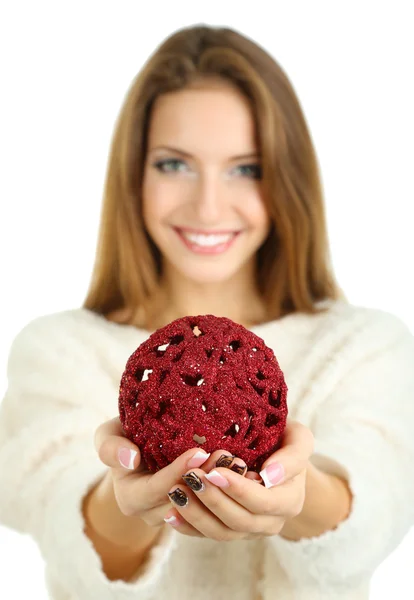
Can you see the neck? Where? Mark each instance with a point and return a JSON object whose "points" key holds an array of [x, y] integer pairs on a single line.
{"points": [[237, 299]]}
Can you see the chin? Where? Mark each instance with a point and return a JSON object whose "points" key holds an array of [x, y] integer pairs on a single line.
{"points": [[208, 274]]}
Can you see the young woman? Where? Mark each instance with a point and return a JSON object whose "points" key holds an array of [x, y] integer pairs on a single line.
{"points": [[213, 204]]}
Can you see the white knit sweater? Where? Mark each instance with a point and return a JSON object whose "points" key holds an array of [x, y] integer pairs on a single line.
{"points": [[350, 373]]}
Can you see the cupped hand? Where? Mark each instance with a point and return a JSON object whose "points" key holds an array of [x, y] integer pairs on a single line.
{"points": [[218, 503], [140, 493]]}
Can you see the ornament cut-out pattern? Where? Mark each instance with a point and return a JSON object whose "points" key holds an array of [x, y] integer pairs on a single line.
{"points": [[203, 381]]}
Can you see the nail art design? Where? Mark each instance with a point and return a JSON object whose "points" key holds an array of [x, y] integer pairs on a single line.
{"points": [[194, 482], [178, 497], [239, 469], [225, 461]]}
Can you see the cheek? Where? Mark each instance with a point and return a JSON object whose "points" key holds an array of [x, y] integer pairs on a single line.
{"points": [[256, 213], [160, 200]]}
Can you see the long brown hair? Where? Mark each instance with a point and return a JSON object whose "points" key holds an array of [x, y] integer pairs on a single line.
{"points": [[293, 265]]}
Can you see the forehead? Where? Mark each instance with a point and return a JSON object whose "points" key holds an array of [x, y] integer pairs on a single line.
{"points": [[206, 120]]}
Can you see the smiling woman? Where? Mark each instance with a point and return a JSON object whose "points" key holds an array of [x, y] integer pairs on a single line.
{"points": [[212, 206], [225, 151], [206, 213]]}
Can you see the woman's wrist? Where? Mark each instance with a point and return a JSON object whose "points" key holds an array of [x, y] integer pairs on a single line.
{"points": [[123, 543], [103, 515], [328, 501]]}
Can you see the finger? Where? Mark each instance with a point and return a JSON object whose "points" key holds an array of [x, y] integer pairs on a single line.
{"points": [[235, 517], [254, 476], [292, 458], [157, 485], [285, 500], [175, 520], [111, 427], [224, 458], [197, 510], [114, 449]]}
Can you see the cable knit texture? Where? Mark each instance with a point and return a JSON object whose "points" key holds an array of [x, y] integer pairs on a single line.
{"points": [[350, 376]]}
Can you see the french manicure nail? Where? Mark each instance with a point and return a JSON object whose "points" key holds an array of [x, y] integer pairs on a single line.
{"points": [[272, 474], [126, 457], [172, 521], [217, 479], [198, 459]]}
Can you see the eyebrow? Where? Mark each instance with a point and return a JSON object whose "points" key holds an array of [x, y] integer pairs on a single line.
{"points": [[187, 155]]}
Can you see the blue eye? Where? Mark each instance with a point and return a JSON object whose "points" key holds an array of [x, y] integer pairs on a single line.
{"points": [[254, 171], [175, 165], [170, 165]]}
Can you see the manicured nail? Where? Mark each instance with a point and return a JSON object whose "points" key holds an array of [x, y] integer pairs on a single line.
{"points": [[225, 461], [240, 469], [272, 474], [172, 521], [178, 497], [217, 479], [194, 482], [198, 459], [126, 457]]}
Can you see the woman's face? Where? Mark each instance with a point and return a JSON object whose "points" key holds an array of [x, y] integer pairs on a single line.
{"points": [[202, 200]]}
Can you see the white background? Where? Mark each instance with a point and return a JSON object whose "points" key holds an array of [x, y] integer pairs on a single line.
{"points": [[65, 70]]}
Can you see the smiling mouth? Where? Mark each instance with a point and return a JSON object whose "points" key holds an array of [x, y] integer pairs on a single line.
{"points": [[207, 243]]}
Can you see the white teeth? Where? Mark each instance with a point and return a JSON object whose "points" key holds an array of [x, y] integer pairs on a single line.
{"points": [[208, 240]]}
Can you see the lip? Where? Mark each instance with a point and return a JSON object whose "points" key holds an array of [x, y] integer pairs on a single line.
{"points": [[211, 250], [206, 231]]}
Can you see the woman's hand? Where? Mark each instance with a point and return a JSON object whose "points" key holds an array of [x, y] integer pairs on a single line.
{"points": [[223, 505], [138, 492]]}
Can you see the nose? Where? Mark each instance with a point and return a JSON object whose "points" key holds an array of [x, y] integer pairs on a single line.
{"points": [[209, 199]]}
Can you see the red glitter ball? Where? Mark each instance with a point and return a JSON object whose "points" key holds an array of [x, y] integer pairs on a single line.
{"points": [[203, 381]]}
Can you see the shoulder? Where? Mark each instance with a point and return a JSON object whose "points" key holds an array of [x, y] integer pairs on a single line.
{"points": [[55, 324], [72, 337], [350, 337], [76, 320], [344, 347], [341, 335], [64, 333], [342, 321], [370, 327]]}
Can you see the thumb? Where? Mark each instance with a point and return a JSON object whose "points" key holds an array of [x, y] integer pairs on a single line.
{"points": [[292, 458], [114, 449]]}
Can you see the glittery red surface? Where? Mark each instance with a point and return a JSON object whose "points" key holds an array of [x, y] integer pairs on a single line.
{"points": [[224, 385]]}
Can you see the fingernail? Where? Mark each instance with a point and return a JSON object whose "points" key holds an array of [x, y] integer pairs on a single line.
{"points": [[172, 520], [198, 459], [217, 479], [178, 497], [240, 469], [194, 482], [272, 474], [225, 460], [126, 457]]}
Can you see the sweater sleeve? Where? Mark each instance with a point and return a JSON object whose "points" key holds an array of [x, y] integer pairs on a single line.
{"points": [[363, 432], [56, 388]]}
